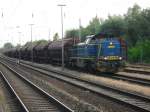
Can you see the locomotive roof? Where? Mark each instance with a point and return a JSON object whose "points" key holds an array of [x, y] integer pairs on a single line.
{"points": [[102, 35], [90, 36], [99, 35]]}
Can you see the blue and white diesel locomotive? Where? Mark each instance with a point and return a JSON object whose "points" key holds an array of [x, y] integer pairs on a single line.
{"points": [[99, 52]]}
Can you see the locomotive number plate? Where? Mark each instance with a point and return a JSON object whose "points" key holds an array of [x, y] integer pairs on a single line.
{"points": [[111, 46], [112, 57]]}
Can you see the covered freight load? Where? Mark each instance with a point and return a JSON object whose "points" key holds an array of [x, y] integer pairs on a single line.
{"points": [[55, 50], [41, 52]]}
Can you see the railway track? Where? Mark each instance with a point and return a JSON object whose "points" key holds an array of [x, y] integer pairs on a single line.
{"points": [[138, 66], [133, 100], [32, 97], [135, 80], [12, 100], [137, 70]]}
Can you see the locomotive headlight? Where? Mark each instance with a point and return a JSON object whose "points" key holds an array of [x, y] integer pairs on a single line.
{"points": [[120, 58], [105, 58], [110, 43]]}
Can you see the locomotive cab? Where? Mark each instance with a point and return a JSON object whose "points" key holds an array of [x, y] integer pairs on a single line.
{"points": [[110, 55]]}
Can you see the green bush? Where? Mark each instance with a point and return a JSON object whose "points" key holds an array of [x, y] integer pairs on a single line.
{"points": [[140, 52]]}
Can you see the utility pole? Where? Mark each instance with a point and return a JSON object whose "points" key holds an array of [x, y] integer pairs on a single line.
{"points": [[19, 33], [61, 7], [49, 35], [2, 14], [31, 44], [79, 30]]}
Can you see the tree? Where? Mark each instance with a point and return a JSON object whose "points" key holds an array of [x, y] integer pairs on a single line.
{"points": [[73, 33], [114, 25], [133, 21], [144, 23], [40, 41], [55, 37], [94, 26], [18, 45], [8, 45], [138, 54]]}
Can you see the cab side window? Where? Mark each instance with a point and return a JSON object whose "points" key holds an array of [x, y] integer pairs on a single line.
{"points": [[93, 41]]}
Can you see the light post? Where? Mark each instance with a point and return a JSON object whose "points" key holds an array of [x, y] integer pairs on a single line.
{"points": [[49, 35], [31, 44], [2, 14], [79, 30], [19, 34], [61, 6], [20, 46]]}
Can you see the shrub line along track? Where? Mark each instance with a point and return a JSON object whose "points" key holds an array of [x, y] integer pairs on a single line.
{"points": [[138, 102], [33, 98]]}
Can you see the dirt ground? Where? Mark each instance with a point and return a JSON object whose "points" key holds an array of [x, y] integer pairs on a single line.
{"points": [[119, 84], [143, 90]]}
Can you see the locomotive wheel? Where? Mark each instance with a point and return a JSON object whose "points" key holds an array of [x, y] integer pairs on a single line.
{"points": [[89, 67]]}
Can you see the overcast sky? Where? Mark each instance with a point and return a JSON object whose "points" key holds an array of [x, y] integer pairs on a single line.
{"points": [[46, 17]]}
